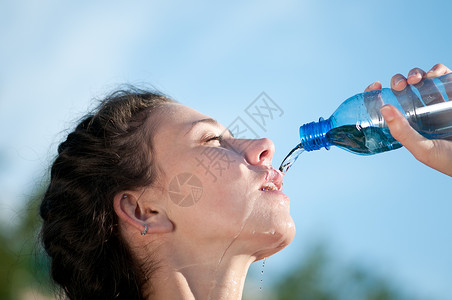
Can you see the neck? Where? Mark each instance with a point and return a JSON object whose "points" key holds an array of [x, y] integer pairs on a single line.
{"points": [[209, 278]]}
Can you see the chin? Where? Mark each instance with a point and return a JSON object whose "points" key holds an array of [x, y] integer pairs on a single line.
{"points": [[276, 239]]}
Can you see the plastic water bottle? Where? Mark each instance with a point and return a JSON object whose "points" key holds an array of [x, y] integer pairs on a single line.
{"points": [[358, 126]]}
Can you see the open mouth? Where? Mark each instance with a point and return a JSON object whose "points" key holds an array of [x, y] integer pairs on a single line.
{"points": [[269, 186], [273, 181]]}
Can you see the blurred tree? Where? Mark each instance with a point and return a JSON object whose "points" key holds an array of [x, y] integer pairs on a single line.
{"points": [[23, 270], [308, 280], [6, 260], [319, 278]]}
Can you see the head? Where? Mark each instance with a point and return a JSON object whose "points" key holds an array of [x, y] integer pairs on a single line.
{"points": [[142, 160]]}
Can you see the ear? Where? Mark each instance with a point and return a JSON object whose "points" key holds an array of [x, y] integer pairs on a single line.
{"points": [[139, 213]]}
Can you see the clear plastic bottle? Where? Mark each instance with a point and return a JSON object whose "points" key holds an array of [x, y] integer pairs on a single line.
{"points": [[357, 125]]}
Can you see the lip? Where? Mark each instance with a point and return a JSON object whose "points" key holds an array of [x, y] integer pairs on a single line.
{"points": [[276, 177]]}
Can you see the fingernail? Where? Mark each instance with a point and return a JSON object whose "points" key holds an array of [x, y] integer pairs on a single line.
{"points": [[388, 113], [373, 85], [412, 73], [397, 81]]}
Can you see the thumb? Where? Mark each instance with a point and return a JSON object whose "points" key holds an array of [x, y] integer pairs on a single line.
{"points": [[402, 131]]}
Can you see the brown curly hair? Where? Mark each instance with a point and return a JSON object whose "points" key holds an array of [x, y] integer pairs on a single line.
{"points": [[108, 152]]}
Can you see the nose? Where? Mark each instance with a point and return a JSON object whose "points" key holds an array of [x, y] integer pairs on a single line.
{"points": [[259, 152]]}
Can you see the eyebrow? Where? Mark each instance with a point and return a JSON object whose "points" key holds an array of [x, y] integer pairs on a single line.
{"points": [[207, 121]]}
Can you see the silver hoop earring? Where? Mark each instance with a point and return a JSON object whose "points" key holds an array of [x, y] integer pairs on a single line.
{"points": [[145, 230]]}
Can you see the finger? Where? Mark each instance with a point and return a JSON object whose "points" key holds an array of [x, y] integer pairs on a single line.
{"points": [[402, 131], [374, 86], [437, 70], [398, 82], [415, 75]]}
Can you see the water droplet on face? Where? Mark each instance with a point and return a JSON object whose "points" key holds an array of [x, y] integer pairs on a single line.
{"points": [[291, 158]]}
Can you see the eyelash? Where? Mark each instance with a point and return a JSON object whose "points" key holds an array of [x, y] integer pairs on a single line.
{"points": [[218, 138]]}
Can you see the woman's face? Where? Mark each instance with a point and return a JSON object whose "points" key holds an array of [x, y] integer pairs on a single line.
{"points": [[218, 189]]}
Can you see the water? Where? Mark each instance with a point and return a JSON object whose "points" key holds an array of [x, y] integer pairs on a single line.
{"points": [[262, 274], [369, 140], [291, 158], [434, 121]]}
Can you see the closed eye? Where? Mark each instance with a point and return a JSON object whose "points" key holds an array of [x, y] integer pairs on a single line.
{"points": [[218, 138]]}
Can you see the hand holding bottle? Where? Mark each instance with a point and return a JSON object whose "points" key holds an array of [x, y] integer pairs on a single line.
{"points": [[435, 153]]}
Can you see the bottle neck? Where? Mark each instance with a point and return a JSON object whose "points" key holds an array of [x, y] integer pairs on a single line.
{"points": [[313, 135]]}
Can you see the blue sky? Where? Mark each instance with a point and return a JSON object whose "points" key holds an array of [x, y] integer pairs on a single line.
{"points": [[387, 211]]}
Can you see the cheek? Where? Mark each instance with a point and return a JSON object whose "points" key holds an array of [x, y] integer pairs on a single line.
{"points": [[231, 196], [218, 194]]}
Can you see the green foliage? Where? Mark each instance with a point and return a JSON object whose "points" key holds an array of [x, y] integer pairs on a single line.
{"points": [[23, 263], [6, 260], [307, 281], [320, 278]]}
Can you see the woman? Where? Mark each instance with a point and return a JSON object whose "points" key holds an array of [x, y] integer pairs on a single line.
{"points": [[131, 212]]}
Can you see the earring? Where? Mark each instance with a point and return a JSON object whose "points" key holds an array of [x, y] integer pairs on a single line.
{"points": [[145, 230]]}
